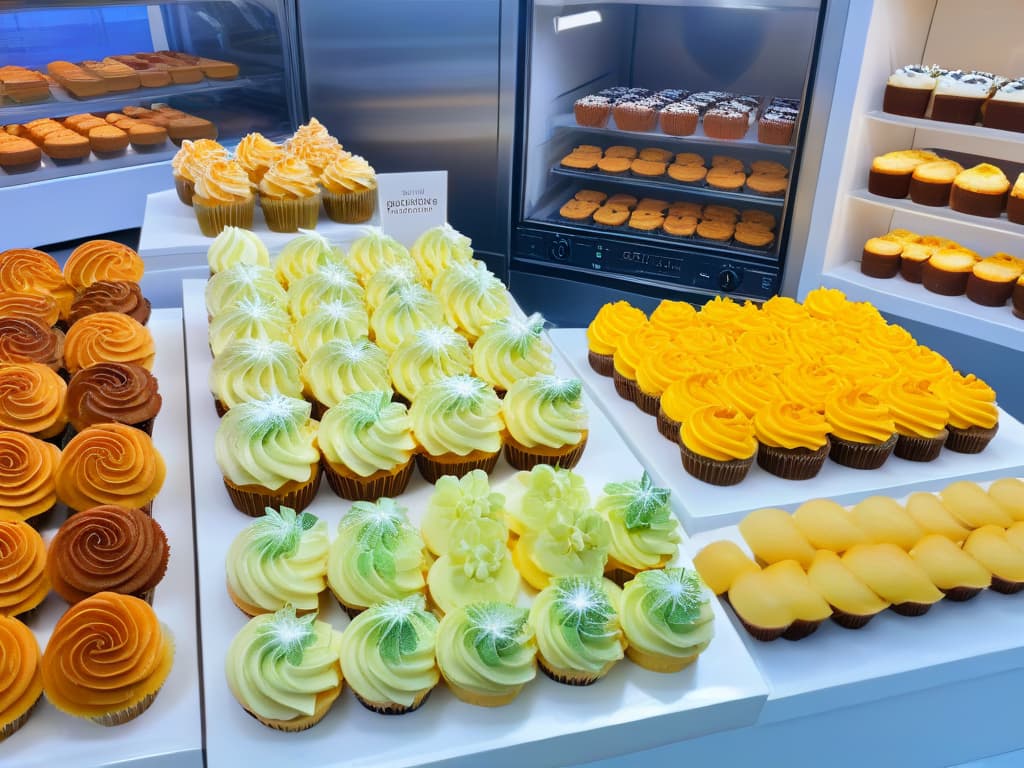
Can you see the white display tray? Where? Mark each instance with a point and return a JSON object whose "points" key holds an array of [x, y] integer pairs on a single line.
{"points": [[891, 656], [548, 724], [702, 506], [171, 729]]}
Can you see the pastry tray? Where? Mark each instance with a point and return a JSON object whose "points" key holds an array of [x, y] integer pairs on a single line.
{"points": [[548, 724], [702, 506], [171, 728]]}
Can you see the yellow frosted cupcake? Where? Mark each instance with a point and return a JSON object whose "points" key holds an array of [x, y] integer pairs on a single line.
{"points": [[341, 367], [331, 320], [792, 439], [23, 580], [545, 422], [303, 255], [749, 388], [239, 283], [405, 310], [657, 372], [535, 498], [250, 319], [920, 418], [256, 153], [254, 369], [425, 356], [328, 282], [289, 196], [373, 251], [853, 603], [684, 396], [642, 342], [472, 297], [573, 542], [511, 349], [673, 316], [973, 415], [861, 429], [188, 163], [611, 323], [349, 187], [439, 247], [223, 198], [477, 567], [20, 677], [717, 444], [458, 503], [644, 532], [235, 247], [388, 279]]}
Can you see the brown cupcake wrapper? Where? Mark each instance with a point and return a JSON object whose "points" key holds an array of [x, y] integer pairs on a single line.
{"points": [[125, 715], [987, 292], [213, 219], [254, 503], [185, 189], [376, 486], [911, 102], [792, 464], [970, 440], [291, 215], [1004, 115], [523, 458], [948, 108], [220, 407], [433, 470], [942, 282], [649, 404], [668, 428], [915, 448], [961, 594], [911, 609], [391, 708], [350, 207], [860, 455], [625, 388], [800, 629], [11, 727], [26, 616], [977, 203], [1005, 587], [721, 473], [1015, 209], [930, 193], [850, 620], [43, 519], [559, 677], [602, 364], [763, 634]]}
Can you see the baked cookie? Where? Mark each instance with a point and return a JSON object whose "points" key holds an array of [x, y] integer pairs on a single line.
{"points": [[588, 149], [647, 168], [715, 229], [652, 204], [578, 210], [766, 184], [621, 198], [681, 226], [688, 174], [591, 196], [721, 213], [646, 221], [753, 235], [611, 215], [685, 208], [655, 154], [727, 179], [726, 161], [580, 161], [762, 218], [689, 158], [769, 167], [621, 150], [614, 164]]}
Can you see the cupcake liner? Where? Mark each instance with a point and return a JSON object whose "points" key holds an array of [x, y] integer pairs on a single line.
{"points": [[385, 482], [523, 458], [26, 616], [213, 218], [15, 724], [433, 468], [626, 388], [800, 629], [911, 609], [715, 472], [291, 215], [350, 207], [602, 364], [185, 189], [668, 428], [43, 519], [324, 700], [1006, 587], [970, 440], [657, 663], [961, 594], [146, 595], [567, 677], [860, 455], [649, 404], [253, 499], [222, 409], [916, 448], [125, 715], [791, 464], [850, 620], [479, 699], [391, 708], [764, 634]]}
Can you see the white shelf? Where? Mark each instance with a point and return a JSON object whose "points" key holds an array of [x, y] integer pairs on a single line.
{"points": [[702, 506], [896, 296], [944, 213], [170, 731], [548, 724], [1015, 141]]}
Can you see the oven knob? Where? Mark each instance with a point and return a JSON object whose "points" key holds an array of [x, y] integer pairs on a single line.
{"points": [[560, 249], [728, 279]]}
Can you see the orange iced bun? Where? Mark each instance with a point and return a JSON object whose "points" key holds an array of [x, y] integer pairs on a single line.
{"points": [[21, 682], [98, 260], [27, 483], [108, 337], [26, 269], [23, 582], [32, 399]]}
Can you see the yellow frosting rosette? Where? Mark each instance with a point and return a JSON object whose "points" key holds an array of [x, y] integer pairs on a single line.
{"points": [[749, 388], [717, 444], [330, 320], [458, 503], [426, 355], [254, 369], [303, 254], [511, 349], [328, 282], [249, 319], [644, 532], [242, 282], [923, 363], [793, 439], [610, 324], [861, 428], [256, 154], [673, 316], [770, 348], [641, 343], [437, 248], [406, 309], [235, 246], [825, 303], [389, 278], [784, 311], [684, 396], [810, 383], [472, 297], [920, 417], [971, 402], [375, 250], [340, 367]]}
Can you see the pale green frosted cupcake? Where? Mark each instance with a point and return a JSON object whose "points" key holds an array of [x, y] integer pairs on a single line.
{"points": [[573, 543], [405, 309], [534, 498], [235, 246], [477, 567], [303, 254], [459, 502], [511, 349], [390, 278], [545, 422], [254, 369], [644, 532], [239, 283], [438, 247], [472, 297], [327, 283], [331, 320], [250, 319], [374, 251], [341, 367], [425, 356]]}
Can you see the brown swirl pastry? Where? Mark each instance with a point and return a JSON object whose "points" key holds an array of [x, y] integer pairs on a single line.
{"points": [[28, 470], [32, 271], [108, 337], [110, 464], [35, 306], [28, 341], [121, 296], [121, 392], [107, 549], [23, 581], [101, 260], [33, 399]]}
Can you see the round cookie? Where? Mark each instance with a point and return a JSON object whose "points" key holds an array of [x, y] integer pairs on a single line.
{"points": [[580, 161], [727, 179], [685, 208], [621, 198], [721, 212], [656, 155], [754, 216], [769, 167], [681, 226], [652, 204], [726, 161], [689, 158], [591, 196], [765, 184], [688, 174], [621, 150], [646, 221], [612, 215], [647, 168], [715, 229], [577, 210], [613, 164], [753, 235]]}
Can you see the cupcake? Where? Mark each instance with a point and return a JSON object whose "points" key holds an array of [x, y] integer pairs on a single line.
{"points": [[331, 320], [256, 153], [667, 619], [243, 282], [328, 282], [862, 432], [579, 638], [26, 270], [920, 418], [20, 677], [947, 271], [572, 542], [792, 439], [637, 115], [476, 568], [349, 190], [107, 549], [110, 464], [605, 332], [318, 155], [750, 388], [472, 297], [992, 280], [912, 260], [375, 250], [932, 516], [957, 574], [28, 486], [644, 532], [980, 191], [235, 247], [121, 392], [972, 506], [1008, 493], [908, 91], [720, 563], [267, 453], [33, 400], [931, 182], [23, 581], [787, 582], [673, 316], [189, 162], [108, 337], [111, 296], [959, 95], [717, 444], [249, 319], [535, 498], [881, 258], [973, 415], [459, 503], [437, 248], [760, 609], [891, 173], [990, 546], [377, 556], [388, 279], [684, 396], [402, 312], [41, 307], [303, 255], [486, 652], [97, 260], [511, 349], [679, 118], [1015, 201], [23, 340], [289, 195], [773, 536], [457, 421], [254, 369], [388, 653], [545, 422], [425, 356], [107, 658], [592, 111], [642, 342], [1005, 110], [223, 197], [285, 670], [367, 446], [279, 560], [894, 576], [341, 367], [853, 603]]}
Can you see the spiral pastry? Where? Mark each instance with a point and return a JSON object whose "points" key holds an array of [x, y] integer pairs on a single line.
{"points": [[41, 307], [28, 470], [121, 392], [107, 658], [101, 260], [26, 269], [121, 296], [21, 683], [107, 549], [108, 337], [32, 399], [110, 464], [23, 582], [29, 341]]}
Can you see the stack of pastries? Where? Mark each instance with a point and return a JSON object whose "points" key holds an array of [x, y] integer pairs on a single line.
{"points": [[850, 564], [789, 384], [446, 599], [956, 96], [362, 364]]}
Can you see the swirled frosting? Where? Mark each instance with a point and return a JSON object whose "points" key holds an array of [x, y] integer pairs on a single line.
{"points": [[347, 174], [576, 625], [667, 612], [388, 652], [27, 475], [189, 161], [644, 532], [785, 424], [810, 382], [267, 442], [437, 248], [41, 307], [21, 682], [97, 260], [546, 411], [250, 319], [914, 409], [223, 182], [255, 369], [33, 399], [389, 278], [312, 132], [684, 396], [673, 316], [234, 247], [279, 664], [427, 355], [366, 433], [784, 311], [303, 255], [107, 549], [23, 582], [108, 337], [373, 251], [476, 567], [111, 296], [534, 498], [656, 373], [472, 297], [924, 363], [27, 270], [28, 341], [331, 320], [458, 503], [328, 282], [511, 349], [256, 153], [574, 543], [767, 347], [642, 342], [611, 323], [318, 155], [749, 388], [971, 402], [376, 556], [279, 560], [120, 392], [457, 414], [341, 367], [855, 414], [825, 303], [870, 366], [243, 282], [289, 179], [719, 433], [402, 312]]}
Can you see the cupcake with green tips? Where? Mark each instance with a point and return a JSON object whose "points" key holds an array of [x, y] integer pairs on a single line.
{"points": [[390, 278], [331, 320], [545, 422], [367, 446], [511, 349], [279, 560], [577, 629], [535, 498], [303, 254], [473, 298], [486, 652], [457, 421], [375, 251], [341, 367], [242, 282], [235, 246], [644, 532], [285, 670], [377, 556], [405, 310], [459, 502], [327, 283], [438, 247], [254, 369], [250, 319], [667, 617], [266, 450], [425, 356], [574, 543], [477, 567], [389, 652]]}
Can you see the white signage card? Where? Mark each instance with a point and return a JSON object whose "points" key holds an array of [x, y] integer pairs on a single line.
{"points": [[411, 203]]}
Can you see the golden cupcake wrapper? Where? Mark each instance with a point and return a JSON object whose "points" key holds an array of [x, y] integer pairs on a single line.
{"points": [[253, 501], [291, 215], [350, 207], [970, 440], [185, 189], [915, 448], [14, 725], [602, 364], [523, 458], [715, 472], [125, 715], [434, 468], [213, 219], [649, 404], [384, 483]]}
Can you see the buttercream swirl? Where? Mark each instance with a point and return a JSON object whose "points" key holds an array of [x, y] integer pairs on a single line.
{"points": [[785, 424], [23, 340], [914, 409], [188, 162], [405, 310], [472, 297], [23, 581], [331, 320], [545, 411], [768, 347], [367, 433], [825, 303], [328, 282], [535, 498], [243, 282], [721, 311], [574, 543], [810, 382], [108, 337], [254, 369], [223, 182], [97, 260], [924, 363], [388, 278], [643, 342], [21, 683], [341, 367], [866, 365], [235, 247], [719, 433], [303, 254], [111, 296], [657, 372], [457, 414], [644, 532], [30, 271], [576, 625], [105, 392], [289, 179], [41, 307], [476, 567], [312, 132], [673, 316], [426, 356], [318, 155], [749, 388], [855, 414], [349, 173], [28, 470], [971, 402], [784, 311], [437, 248], [373, 251], [33, 399], [256, 153], [610, 324], [684, 396], [250, 319], [667, 613], [511, 349], [458, 503]]}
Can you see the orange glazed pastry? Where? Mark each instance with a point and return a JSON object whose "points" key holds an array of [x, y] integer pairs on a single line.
{"points": [[98, 260], [107, 658], [28, 341], [21, 683], [36, 306], [26, 269], [110, 464], [32, 400], [23, 582], [108, 337], [606, 330], [28, 483]]}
